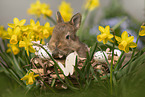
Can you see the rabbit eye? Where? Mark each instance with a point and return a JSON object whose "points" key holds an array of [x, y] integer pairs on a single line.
{"points": [[67, 37]]}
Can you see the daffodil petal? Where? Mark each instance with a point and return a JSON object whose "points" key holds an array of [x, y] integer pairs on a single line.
{"points": [[27, 82], [31, 49], [22, 22], [32, 22], [31, 73], [101, 29], [11, 25], [105, 41], [38, 23], [47, 25], [17, 30], [126, 49], [142, 33], [25, 77], [132, 45], [107, 29], [130, 39], [110, 36], [36, 75], [24, 28], [124, 35], [143, 27], [16, 21], [99, 38], [118, 38]]}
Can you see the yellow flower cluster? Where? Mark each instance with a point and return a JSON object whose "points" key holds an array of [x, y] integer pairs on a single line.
{"points": [[66, 11], [92, 4], [21, 35], [124, 41], [3, 32], [39, 8]]}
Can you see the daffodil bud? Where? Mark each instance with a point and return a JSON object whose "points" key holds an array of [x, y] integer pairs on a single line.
{"points": [[99, 56]]}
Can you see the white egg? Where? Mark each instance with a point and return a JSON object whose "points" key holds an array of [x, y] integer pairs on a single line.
{"points": [[36, 47], [42, 53], [117, 52], [99, 56]]}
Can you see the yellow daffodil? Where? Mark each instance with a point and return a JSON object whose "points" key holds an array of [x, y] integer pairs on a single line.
{"points": [[1, 30], [92, 4], [47, 30], [18, 23], [3, 33], [39, 8], [142, 32], [13, 48], [105, 34], [35, 27], [66, 11], [125, 42], [36, 30], [45, 10], [27, 44], [15, 35], [30, 78]]}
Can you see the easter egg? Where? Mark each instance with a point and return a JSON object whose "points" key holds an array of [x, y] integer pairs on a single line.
{"points": [[99, 56], [42, 53]]}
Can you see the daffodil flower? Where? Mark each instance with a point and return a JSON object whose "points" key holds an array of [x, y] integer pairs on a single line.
{"points": [[35, 27], [142, 32], [92, 4], [18, 23], [27, 44], [47, 30], [3, 33], [39, 8], [66, 11], [14, 48], [14, 34], [125, 42], [30, 78], [105, 34]]}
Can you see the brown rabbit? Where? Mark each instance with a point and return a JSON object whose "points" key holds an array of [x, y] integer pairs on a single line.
{"points": [[64, 40]]}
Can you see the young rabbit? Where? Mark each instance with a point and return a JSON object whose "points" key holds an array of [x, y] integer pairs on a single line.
{"points": [[64, 40]]}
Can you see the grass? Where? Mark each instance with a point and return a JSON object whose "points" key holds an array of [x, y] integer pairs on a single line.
{"points": [[130, 85]]}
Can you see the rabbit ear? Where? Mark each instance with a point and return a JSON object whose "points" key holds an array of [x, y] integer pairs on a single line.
{"points": [[59, 17], [76, 20]]}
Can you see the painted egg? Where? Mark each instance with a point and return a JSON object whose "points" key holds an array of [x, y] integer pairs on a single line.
{"points": [[99, 56], [117, 52], [42, 53]]}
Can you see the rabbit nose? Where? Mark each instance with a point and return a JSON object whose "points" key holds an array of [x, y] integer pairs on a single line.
{"points": [[55, 54]]}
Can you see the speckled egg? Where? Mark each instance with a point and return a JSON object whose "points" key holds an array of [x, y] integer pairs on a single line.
{"points": [[42, 54], [99, 56]]}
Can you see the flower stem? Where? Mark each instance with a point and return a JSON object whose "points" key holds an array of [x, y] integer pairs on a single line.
{"points": [[136, 41], [119, 59], [52, 20], [112, 59], [84, 16]]}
